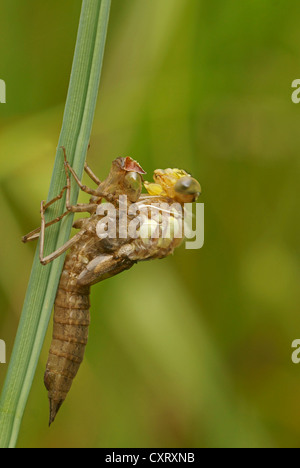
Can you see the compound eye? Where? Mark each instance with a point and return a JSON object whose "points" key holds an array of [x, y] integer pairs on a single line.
{"points": [[133, 181], [187, 186]]}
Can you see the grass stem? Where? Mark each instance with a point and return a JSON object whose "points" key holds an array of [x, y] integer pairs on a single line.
{"points": [[40, 296]]}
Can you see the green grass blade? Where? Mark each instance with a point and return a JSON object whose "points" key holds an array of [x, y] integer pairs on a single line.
{"points": [[75, 136]]}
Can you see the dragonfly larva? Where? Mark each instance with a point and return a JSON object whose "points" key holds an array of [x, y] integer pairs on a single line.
{"points": [[94, 257]]}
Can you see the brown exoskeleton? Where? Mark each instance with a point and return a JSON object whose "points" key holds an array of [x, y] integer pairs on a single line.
{"points": [[93, 258]]}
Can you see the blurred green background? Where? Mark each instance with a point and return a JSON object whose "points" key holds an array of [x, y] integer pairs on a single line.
{"points": [[194, 350]]}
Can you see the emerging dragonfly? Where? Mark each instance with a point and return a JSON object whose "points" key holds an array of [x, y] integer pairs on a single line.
{"points": [[93, 258]]}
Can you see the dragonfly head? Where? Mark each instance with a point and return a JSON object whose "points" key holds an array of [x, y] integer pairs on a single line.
{"points": [[176, 184]]}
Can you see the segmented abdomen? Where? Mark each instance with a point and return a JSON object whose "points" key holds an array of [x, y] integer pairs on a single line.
{"points": [[70, 335]]}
